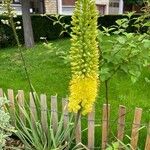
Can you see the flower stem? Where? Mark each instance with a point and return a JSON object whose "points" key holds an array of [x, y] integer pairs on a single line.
{"points": [[77, 117]]}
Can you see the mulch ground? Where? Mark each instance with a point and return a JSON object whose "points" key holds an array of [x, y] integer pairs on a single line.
{"points": [[14, 142]]}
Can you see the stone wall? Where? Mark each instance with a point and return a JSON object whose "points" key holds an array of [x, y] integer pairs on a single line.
{"points": [[51, 7]]}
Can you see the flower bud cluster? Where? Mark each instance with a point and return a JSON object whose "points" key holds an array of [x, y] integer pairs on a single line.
{"points": [[84, 56], [9, 11]]}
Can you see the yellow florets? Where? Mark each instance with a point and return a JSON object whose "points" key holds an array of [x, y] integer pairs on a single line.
{"points": [[84, 56], [83, 94]]}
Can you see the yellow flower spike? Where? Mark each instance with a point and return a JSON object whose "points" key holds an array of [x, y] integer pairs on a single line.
{"points": [[84, 56]]}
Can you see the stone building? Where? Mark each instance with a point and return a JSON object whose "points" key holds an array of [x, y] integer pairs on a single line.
{"points": [[36, 6], [66, 7]]}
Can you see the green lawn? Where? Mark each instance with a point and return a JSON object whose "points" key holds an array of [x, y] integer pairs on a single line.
{"points": [[50, 75]]}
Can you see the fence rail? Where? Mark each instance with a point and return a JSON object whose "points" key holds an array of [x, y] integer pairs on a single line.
{"points": [[90, 119]]}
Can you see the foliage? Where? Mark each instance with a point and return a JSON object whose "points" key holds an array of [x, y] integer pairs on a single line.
{"points": [[6, 129], [8, 10], [121, 145], [138, 2], [35, 136], [115, 146], [43, 29], [47, 30], [128, 53], [50, 75], [84, 57], [110, 20]]}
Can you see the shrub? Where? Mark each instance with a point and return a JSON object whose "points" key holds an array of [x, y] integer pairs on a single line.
{"points": [[42, 27], [34, 135], [5, 128]]}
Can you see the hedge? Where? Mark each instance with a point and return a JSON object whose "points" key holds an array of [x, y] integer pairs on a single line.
{"points": [[43, 27]]}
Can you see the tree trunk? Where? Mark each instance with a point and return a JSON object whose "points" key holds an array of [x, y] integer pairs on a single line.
{"points": [[27, 25]]}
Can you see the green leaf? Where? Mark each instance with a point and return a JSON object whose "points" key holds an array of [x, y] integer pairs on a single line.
{"points": [[124, 68], [147, 24], [137, 25], [104, 74], [133, 79], [104, 70], [147, 80], [146, 43], [116, 145], [129, 35], [105, 29], [130, 14], [119, 22], [55, 22], [121, 40]]}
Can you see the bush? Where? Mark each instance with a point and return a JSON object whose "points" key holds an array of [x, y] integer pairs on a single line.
{"points": [[36, 135], [110, 20], [43, 27], [5, 128]]}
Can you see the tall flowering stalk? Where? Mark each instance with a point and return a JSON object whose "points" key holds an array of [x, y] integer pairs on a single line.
{"points": [[9, 12], [84, 55]]}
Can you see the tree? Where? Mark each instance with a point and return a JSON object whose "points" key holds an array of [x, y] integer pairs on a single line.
{"points": [[27, 25], [128, 54]]}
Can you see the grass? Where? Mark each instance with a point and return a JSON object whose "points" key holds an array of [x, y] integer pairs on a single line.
{"points": [[50, 75], [47, 72]]}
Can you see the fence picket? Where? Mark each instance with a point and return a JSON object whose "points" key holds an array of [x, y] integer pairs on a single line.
{"points": [[135, 128], [91, 129], [1, 92], [66, 114], [12, 105], [54, 113], [65, 111], [121, 124], [44, 121], [33, 111], [21, 104], [147, 144], [91, 119], [78, 131], [105, 125]]}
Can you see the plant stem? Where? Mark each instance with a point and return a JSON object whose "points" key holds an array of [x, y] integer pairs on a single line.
{"points": [[77, 117], [106, 92], [107, 103], [21, 54]]}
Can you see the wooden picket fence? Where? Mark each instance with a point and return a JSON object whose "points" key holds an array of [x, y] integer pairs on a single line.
{"points": [[91, 119]]}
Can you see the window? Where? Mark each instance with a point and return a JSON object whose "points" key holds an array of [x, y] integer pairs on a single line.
{"points": [[68, 2], [67, 10], [16, 1], [101, 9], [114, 4]]}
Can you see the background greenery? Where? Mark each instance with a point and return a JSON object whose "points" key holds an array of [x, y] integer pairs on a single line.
{"points": [[49, 74], [46, 28]]}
